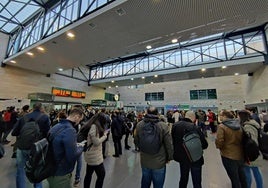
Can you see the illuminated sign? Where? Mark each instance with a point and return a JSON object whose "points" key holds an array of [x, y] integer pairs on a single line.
{"points": [[60, 92]]}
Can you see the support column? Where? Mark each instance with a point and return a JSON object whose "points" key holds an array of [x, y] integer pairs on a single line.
{"points": [[3, 47]]}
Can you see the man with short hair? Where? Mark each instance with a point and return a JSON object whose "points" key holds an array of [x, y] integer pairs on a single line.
{"points": [[180, 155], [154, 165], [23, 151], [66, 150]]}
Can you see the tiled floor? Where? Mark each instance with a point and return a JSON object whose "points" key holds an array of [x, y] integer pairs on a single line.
{"points": [[125, 172]]}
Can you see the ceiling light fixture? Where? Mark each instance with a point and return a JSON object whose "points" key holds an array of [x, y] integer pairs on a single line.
{"points": [[132, 79], [30, 53], [60, 69], [40, 48], [143, 77], [236, 74], [203, 69], [112, 81], [223, 67], [116, 86], [156, 76], [174, 40], [152, 82], [70, 35], [12, 61], [148, 47], [109, 87]]}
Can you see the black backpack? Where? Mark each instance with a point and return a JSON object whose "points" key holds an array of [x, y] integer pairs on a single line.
{"points": [[250, 147], [29, 133], [41, 163], [150, 138]]}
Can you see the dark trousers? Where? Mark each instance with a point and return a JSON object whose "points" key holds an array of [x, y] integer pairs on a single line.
{"points": [[212, 127], [117, 145], [100, 172], [126, 139], [235, 171], [196, 172]]}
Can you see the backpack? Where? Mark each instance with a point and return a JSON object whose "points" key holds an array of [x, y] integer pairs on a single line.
{"points": [[263, 143], [29, 133], [250, 147], [41, 163], [192, 145], [150, 138]]}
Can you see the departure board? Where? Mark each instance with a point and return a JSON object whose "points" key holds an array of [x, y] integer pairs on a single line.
{"points": [[61, 92]]}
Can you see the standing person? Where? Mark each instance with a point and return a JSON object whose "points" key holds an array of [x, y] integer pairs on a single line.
{"points": [[117, 132], [24, 111], [180, 155], [250, 126], [93, 155], [66, 150], [154, 165], [211, 116], [201, 117], [229, 142], [23, 148]]}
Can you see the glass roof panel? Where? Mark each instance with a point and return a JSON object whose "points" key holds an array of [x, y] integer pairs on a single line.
{"points": [[14, 7], [15, 12]]}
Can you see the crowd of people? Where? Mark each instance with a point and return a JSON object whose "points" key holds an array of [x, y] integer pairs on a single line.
{"points": [[96, 126]]}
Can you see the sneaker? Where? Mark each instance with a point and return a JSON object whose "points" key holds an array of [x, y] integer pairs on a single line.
{"points": [[76, 182]]}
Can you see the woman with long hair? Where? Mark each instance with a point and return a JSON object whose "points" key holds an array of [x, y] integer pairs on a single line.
{"points": [[93, 155], [250, 126]]}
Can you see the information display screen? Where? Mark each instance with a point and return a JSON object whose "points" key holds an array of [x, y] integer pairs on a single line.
{"points": [[60, 92]]}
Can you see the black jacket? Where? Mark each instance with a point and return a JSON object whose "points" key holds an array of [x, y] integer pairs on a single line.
{"points": [[177, 134]]}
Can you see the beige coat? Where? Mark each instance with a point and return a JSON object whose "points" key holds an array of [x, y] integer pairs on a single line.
{"points": [[94, 155]]}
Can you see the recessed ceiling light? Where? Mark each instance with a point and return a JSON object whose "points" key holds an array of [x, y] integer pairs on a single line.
{"points": [[70, 35], [203, 69], [143, 77], [12, 61], [156, 76], [152, 82], [174, 40], [109, 87], [132, 79], [60, 69], [148, 47], [112, 81], [116, 86], [30, 53], [236, 74], [223, 67], [41, 48]]}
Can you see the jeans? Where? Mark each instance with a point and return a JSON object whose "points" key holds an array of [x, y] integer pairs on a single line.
{"points": [[257, 176], [196, 172], [78, 167], [235, 171], [100, 172], [155, 175], [22, 157]]}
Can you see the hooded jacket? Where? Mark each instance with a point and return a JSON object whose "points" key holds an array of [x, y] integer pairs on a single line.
{"points": [[165, 153], [229, 139], [251, 127]]}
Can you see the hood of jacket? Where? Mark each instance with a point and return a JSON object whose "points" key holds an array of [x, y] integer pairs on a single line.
{"points": [[232, 124], [253, 123], [151, 118]]}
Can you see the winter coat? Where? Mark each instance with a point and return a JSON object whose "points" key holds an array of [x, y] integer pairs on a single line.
{"points": [[229, 139], [94, 156]]}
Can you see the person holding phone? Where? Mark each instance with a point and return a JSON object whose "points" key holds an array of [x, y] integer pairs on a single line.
{"points": [[93, 156]]}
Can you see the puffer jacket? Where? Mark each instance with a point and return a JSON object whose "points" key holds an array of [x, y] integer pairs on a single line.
{"points": [[251, 127], [229, 139], [94, 155], [165, 154]]}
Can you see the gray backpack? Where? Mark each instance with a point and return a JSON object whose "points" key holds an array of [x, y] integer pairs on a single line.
{"points": [[192, 145]]}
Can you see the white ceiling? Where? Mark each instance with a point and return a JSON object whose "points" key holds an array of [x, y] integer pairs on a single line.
{"points": [[107, 35]]}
